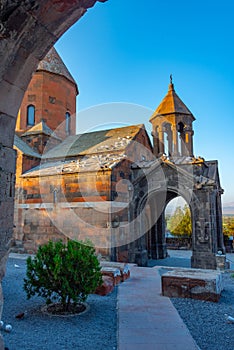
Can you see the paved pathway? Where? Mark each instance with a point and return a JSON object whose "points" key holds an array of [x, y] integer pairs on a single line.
{"points": [[230, 259], [147, 320]]}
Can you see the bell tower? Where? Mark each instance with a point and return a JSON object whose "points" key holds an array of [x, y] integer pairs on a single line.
{"points": [[172, 126]]}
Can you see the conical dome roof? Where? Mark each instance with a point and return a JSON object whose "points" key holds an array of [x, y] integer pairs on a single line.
{"points": [[171, 104], [53, 63]]}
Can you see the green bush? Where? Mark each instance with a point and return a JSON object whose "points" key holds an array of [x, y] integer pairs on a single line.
{"points": [[63, 273]]}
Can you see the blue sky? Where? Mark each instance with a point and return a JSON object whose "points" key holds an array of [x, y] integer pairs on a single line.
{"points": [[125, 51]]}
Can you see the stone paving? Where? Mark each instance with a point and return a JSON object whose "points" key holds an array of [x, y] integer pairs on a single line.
{"points": [[148, 320]]}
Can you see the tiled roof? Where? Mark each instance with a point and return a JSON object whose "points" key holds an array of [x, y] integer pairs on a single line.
{"points": [[97, 142], [88, 163], [53, 63], [40, 128], [171, 104], [94, 151], [24, 148]]}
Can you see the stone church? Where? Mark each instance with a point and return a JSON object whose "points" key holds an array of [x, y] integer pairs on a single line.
{"points": [[109, 186]]}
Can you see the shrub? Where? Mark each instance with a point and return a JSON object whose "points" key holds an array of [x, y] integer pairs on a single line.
{"points": [[63, 273]]}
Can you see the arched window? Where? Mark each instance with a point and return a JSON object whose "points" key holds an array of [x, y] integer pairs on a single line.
{"points": [[180, 127], [68, 123], [30, 115], [167, 139]]}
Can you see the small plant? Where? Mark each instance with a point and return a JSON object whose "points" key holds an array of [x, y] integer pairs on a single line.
{"points": [[63, 273]]}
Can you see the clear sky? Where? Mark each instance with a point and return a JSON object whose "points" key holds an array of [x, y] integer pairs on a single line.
{"points": [[125, 51]]}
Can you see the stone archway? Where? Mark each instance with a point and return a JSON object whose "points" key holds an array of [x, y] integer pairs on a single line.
{"points": [[158, 229], [164, 180], [28, 29], [175, 201]]}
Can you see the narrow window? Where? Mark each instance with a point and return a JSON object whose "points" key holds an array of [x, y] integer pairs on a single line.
{"points": [[30, 115], [68, 123]]}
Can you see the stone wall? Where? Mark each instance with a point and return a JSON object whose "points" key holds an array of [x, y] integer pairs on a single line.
{"points": [[7, 183], [60, 207], [28, 30], [79, 204], [51, 95]]}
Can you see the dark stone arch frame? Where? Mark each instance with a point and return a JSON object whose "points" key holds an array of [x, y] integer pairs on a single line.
{"points": [[28, 29], [205, 206]]}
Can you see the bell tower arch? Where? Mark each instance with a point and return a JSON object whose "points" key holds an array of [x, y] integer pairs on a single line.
{"points": [[193, 178], [172, 124]]}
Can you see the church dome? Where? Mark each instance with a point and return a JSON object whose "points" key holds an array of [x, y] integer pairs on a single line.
{"points": [[53, 63]]}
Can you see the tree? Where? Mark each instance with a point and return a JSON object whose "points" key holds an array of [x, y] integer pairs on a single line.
{"points": [[63, 273], [180, 223], [228, 226]]}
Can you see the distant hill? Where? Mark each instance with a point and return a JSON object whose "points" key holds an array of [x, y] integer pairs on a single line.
{"points": [[228, 208]]}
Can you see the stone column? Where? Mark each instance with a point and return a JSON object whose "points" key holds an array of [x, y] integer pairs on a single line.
{"points": [[161, 239], [170, 143], [153, 247], [156, 143], [153, 224], [189, 141], [204, 230], [141, 254], [7, 176], [7, 183], [219, 222]]}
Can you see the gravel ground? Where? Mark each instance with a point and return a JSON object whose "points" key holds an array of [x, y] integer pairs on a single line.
{"points": [[95, 329], [206, 320]]}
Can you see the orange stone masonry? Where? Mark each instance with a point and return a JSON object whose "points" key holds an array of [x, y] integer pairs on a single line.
{"points": [[52, 95]]}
